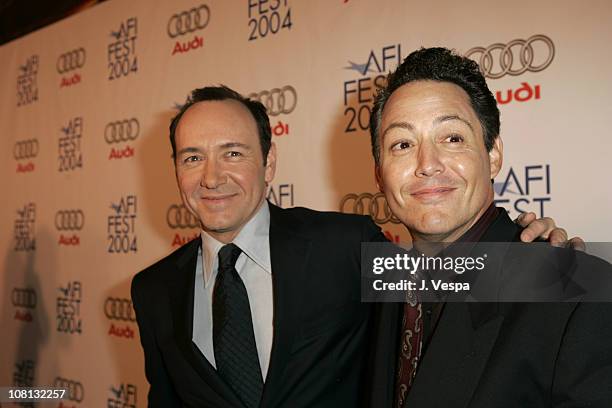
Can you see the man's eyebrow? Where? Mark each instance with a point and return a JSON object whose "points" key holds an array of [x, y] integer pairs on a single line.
{"points": [[188, 150], [229, 145], [397, 125], [447, 118]]}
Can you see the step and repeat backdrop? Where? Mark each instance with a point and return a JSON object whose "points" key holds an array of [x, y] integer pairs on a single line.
{"points": [[88, 188]]}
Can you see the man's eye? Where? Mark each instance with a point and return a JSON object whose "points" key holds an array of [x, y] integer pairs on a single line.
{"points": [[234, 154], [190, 159], [400, 145], [455, 138]]}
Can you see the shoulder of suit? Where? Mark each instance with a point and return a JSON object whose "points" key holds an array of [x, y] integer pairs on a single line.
{"points": [[155, 273], [310, 216], [317, 224]]}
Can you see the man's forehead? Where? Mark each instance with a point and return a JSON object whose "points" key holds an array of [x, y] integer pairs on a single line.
{"points": [[436, 101], [218, 116]]}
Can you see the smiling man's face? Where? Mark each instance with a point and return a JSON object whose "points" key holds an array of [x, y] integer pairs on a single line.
{"points": [[434, 167], [219, 166]]}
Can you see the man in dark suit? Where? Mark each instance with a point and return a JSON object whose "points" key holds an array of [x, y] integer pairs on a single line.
{"points": [[435, 138], [265, 309], [301, 339]]}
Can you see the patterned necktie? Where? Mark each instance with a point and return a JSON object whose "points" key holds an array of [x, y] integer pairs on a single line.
{"points": [[410, 348], [233, 338]]}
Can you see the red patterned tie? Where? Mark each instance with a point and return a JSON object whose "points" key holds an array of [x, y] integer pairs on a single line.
{"points": [[410, 348]]}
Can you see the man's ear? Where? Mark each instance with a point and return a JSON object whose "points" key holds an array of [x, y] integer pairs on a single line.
{"points": [[270, 164], [496, 156], [378, 177]]}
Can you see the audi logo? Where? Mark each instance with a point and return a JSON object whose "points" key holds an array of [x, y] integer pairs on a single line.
{"points": [[122, 131], [178, 216], [374, 205], [25, 149], [23, 297], [119, 309], [500, 59], [69, 220], [70, 60], [188, 21], [74, 389], [277, 100]]}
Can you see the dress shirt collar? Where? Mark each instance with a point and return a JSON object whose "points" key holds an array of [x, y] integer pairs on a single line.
{"points": [[253, 240]]}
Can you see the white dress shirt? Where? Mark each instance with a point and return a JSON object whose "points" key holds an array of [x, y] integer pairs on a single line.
{"points": [[255, 270]]}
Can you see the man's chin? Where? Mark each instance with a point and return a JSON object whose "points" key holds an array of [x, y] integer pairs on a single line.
{"points": [[433, 230]]}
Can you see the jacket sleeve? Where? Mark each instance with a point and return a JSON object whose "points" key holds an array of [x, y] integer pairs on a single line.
{"points": [[583, 371], [161, 391]]}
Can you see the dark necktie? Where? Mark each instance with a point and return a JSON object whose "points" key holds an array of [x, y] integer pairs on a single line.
{"points": [[233, 338], [410, 348]]}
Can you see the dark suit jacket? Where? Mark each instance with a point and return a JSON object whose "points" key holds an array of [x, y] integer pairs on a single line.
{"points": [[320, 338], [503, 354]]}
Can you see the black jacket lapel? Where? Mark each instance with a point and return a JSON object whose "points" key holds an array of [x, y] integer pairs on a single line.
{"points": [[181, 285], [289, 256]]}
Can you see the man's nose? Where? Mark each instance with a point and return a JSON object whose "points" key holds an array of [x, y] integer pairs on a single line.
{"points": [[212, 175], [429, 162]]}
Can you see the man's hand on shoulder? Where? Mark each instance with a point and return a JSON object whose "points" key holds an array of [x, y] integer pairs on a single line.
{"points": [[545, 229]]}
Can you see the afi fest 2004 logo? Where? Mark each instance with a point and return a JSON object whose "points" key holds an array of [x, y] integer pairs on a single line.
{"points": [[524, 188], [121, 226], [268, 18], [185, 23], [27, 83], [69, 308], [368, 73], [69, 146], [68, 66], [515, 58], [24, 232], [122, 58], [122, 396]]}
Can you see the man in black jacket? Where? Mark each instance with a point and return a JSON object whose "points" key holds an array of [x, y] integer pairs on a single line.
{"points": [[435, 139]]}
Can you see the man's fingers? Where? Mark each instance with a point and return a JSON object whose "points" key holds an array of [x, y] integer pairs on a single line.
{"points": [[576, 243], [536, 228], [558, 237], [524, 219]]}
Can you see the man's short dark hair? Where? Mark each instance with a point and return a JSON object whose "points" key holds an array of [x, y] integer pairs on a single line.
{"points": [[222, 93], [439, 64]]}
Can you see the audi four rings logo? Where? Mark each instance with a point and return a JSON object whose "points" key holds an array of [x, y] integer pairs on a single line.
{"points": [[188, 21], [70, 60], [277, 100], [122, 131], [25, 149], [74, 389], [69, 220], [119, 309], [374, 205], [22, 297], [495, 65], [178, 216]]}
